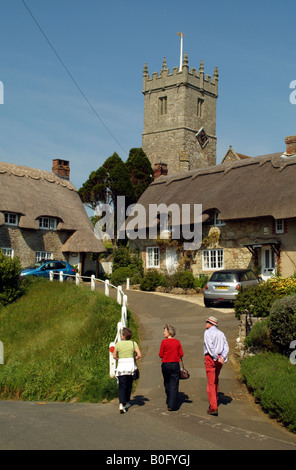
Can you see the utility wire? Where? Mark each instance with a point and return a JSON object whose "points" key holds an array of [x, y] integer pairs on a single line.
{"points": [[70, 75]]}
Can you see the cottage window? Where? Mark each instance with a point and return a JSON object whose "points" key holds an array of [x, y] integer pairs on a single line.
{"points": [[212, 259], [41, 255], [152, 257], [279, 226], [48, 223], [10, 218], [8, 252]]}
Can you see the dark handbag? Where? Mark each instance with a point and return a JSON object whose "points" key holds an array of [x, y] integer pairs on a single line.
{"points": [[184, 374], [136, 373]]}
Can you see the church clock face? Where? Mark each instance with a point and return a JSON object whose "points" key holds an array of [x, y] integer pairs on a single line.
{"points": [[202, 138]]}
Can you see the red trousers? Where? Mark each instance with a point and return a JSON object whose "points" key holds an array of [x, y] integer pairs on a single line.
{"points": [[213, 369]]}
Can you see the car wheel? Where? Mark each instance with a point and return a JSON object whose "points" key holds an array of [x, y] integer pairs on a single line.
{"points": [[208, 303]]}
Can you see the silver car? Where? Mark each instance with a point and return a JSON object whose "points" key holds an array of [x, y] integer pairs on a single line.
{"points": [[224, 285]]}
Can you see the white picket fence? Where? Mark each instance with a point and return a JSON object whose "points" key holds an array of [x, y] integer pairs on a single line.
{"points": [[121, 299]]}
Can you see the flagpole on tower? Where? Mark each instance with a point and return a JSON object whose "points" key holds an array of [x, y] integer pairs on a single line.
{"points": [[181, 52]]}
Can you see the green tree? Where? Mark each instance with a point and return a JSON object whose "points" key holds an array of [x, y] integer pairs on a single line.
{"points": [[106, 183], [10, 284], [116, 178], [140, 170]]}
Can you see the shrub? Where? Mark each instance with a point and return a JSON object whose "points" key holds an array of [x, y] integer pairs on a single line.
{"points": [[183, 279], [256, 299], [151, 280], [126, 264], [120, 275], [272, 379], [10, 284], [200, 282], [259, 336], [282, 323]]}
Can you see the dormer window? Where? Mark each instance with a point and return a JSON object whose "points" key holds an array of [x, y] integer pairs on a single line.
{"points": [[11, 218], [279, 226], [218, 222], [48, 223]]}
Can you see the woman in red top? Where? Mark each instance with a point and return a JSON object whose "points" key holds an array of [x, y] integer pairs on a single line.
{"points": [[170, 353]]}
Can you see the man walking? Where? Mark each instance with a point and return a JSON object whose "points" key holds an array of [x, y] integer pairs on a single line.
{"points": [[216, 351]]}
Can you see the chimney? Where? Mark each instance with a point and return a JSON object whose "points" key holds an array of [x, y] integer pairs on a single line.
{"points": [[290, 146], [160, 169], [61, 168]]}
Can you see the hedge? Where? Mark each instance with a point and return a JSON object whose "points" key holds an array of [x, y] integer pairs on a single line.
{"points": [[272, 379]]}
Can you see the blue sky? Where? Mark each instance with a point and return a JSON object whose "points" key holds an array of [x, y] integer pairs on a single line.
{"points": [[105, 45]]}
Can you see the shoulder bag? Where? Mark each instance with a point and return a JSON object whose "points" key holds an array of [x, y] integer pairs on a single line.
{"points": [[184, 374], [136, 373]]}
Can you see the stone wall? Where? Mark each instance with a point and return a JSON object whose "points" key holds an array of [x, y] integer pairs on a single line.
{"points": [[26, 242], [247, 321]]}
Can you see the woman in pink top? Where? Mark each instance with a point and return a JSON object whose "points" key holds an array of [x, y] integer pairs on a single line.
{"points": [[170, 353]]}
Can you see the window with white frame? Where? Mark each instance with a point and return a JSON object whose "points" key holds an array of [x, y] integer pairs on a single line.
{"points": [[279, 226], [152, 257], [212, 259], [8, 252], [39, 255], [10, 218], [48, 223]]}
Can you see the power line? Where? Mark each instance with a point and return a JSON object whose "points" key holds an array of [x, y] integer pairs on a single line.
{"points": [[71, 76]]}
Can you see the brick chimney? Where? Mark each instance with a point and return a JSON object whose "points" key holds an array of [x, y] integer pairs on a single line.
{"points": [[61, 168], [290, 146], [160, 169]]}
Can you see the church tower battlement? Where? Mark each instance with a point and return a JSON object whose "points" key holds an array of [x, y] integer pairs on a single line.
{"points": [[180, 117]]}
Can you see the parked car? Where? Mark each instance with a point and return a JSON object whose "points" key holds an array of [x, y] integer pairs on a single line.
{"points": [[43, 268], [224, 285]]}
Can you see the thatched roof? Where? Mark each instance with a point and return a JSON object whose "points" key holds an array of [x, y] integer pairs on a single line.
{"points": [[248, 188], [34, 193]]}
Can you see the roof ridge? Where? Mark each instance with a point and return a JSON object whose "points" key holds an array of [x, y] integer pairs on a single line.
{"points": [[34, 173]]}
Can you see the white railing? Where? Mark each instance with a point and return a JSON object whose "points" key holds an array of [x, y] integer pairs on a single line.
{"points": [[121, 299], [1, 353]]}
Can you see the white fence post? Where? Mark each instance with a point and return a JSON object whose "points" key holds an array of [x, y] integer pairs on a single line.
{"points": [[1, 353], [61, 276], [92, 282], [107, 287], [77, 279], [112, 362], [51, 275], [127, 283], [119, 292]]}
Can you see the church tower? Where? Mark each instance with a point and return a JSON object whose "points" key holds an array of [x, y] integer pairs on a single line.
{"points": [[180, 117]]}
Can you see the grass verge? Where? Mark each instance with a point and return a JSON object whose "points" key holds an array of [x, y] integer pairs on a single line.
{"points": [[56, 344], [272, 379]]}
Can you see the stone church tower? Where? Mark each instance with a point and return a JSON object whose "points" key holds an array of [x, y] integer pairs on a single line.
{"points": [[180, 117]]}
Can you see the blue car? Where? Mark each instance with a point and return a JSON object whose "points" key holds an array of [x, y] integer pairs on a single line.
{"points": [[43, 268]]}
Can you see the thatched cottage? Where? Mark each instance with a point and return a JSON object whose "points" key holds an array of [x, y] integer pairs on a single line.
{"points": [[248, 215], [42, 217]]}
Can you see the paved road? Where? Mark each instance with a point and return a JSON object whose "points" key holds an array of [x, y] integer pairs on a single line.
{"points": [[241, 425]]}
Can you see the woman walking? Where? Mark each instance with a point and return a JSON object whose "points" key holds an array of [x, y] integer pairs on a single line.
{"points": [[126, 351], [171, 352]]}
